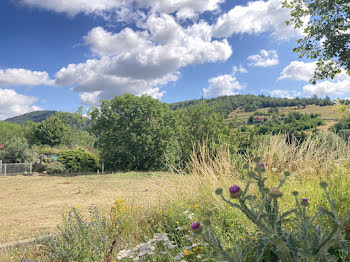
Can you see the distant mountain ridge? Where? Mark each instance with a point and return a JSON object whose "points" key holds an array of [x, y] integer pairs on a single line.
{"points": [[36, 116], [222, 104]]}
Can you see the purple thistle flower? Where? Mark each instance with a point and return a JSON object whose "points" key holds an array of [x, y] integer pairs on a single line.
{"points": [[195, 225], [304, 200], [235, 191], [262, 165], [196, 228]]}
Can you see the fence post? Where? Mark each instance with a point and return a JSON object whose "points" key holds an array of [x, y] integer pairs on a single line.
{"points": [[5, 170], [31, 167], [0, 166]]}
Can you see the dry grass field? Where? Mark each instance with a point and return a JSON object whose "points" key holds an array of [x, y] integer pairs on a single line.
{"points": [[327, 112], [33, 205]]}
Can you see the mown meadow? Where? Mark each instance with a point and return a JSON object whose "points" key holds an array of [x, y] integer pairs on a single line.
{"points": [[229, 191]]}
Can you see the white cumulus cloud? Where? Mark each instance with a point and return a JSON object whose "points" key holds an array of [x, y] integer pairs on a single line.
{"points": [[284, 93], [123, 8], [264, 59], [73, 7], [239, 69], [13, 104], [223, 85], [255, 18], [329, 88], [304, 71], [298, 70], [139, 62], [19, 76]]}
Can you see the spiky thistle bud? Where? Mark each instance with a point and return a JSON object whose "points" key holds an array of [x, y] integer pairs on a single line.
{"points": [[304, 202], [287, 173], [218, 191], [235, 191], [275, 193], [324, 184], [209, 213]]}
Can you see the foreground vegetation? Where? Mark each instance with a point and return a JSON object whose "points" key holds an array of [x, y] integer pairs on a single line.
{"points": [[268, 218], [162, 232]]}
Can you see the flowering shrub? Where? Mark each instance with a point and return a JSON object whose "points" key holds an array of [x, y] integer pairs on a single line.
{"points": [[293, 235], [81, 240]]}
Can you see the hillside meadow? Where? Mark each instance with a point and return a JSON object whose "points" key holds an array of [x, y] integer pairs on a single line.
{"points": [[328, 113]]}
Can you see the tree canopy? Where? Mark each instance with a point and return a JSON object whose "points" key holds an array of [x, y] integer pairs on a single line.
{"points": [[135, 133], [327, 34]]}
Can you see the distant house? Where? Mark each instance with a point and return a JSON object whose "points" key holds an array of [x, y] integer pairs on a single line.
{"points": [[2, 146], [259, 119]]}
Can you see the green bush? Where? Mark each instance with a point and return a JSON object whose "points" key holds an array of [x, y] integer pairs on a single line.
{"points": [[81, 240], [53, 167], [78, 160], [17, 150]]}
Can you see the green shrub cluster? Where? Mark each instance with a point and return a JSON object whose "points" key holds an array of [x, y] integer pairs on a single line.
{"points": [[78, 160]]}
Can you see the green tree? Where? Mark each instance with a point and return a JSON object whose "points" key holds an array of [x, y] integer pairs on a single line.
{"points": [[9, 130], [77, 129], [200, 123], [327, 34], [342, 128], [17, 151], [52, 131], [135, 133]]}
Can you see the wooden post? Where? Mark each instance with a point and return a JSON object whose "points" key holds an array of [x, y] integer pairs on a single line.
{"points": [[0, 166], [103, 168], [31, 167], [5, 170]]}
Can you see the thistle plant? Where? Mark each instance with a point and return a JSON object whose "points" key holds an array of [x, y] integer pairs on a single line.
{"points": [[293, 235]]}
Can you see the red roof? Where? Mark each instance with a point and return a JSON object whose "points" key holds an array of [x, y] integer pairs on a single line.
{"points": [[2, 146]]}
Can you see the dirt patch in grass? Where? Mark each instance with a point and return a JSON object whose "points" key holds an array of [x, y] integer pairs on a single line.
{"points": [[33, 205]]}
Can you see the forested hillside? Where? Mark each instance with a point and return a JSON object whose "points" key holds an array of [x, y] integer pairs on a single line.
{"points": [[36, 116], [250, 103], [223, 105]]}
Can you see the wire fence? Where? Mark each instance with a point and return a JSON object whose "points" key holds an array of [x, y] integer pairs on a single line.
{"points": [[15, 168]]}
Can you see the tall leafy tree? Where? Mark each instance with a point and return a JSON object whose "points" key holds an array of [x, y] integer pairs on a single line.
{"points": [[51, 132], [135, 133], [200, 123], [327, 34]]}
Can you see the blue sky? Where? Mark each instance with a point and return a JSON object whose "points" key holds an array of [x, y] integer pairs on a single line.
{"points": [[60, 54]]}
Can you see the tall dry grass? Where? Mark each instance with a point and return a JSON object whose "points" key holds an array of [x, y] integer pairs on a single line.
{"points": [[317, 155], [315, 158]]}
